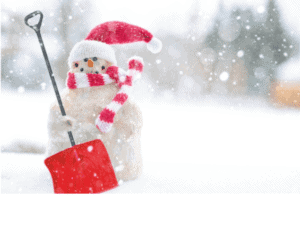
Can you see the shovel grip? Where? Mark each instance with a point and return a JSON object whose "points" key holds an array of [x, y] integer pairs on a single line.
{"points": [[37, 26]]}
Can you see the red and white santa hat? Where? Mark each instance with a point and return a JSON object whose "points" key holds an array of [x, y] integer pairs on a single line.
{"points": [[98, 41]]}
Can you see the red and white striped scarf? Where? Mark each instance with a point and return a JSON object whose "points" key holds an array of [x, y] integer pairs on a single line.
{"points": [[113, 75]]}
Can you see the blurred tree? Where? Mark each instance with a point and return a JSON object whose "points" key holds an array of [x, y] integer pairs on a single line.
{"points": [[260, 46], [12, 30]]}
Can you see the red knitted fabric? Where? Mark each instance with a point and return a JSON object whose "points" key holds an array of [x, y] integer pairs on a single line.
{"points": [[116, 32], [123, 79]]}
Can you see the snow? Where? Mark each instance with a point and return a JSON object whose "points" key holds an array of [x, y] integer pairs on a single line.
{"points": [[261, 9], [240, 54], [224, 76], [27, 174], [21, 89], [210, 146], [90, 148]]}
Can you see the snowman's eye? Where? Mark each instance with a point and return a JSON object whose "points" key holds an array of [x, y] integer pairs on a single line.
{"points": [[97, 72], [76, 64], [103, 67], [95, 59], [86, 59]]}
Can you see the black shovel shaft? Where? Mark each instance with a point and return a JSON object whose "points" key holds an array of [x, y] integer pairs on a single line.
{"points": [[36, 28]]}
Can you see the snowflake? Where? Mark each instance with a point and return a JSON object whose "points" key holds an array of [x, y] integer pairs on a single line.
{"points": [[21, 89], [224, 76], [240, 54], [261, 9]]}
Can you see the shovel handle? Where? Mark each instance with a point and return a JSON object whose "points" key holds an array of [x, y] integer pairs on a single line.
{"points": [[37, 28]]}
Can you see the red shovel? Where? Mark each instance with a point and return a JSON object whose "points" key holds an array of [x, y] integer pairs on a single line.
{"points": [[82, 168]]}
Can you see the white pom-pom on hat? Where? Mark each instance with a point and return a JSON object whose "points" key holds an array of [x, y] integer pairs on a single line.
{"points": [[155, 45]]}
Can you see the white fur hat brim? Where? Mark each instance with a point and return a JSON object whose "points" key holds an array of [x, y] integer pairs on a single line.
{"points": [[89, 49]]}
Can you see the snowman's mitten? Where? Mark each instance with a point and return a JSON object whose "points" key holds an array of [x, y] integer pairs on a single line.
{"points": [[68, 122]]}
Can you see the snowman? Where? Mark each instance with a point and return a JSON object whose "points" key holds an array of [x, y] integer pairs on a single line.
{"points": [[97, 98]]}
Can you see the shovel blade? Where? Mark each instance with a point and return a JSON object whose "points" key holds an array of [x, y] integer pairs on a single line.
{"points": [[83, 168]]}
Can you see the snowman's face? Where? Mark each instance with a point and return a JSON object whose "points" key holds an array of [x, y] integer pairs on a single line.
{"points": [[93, 65]]}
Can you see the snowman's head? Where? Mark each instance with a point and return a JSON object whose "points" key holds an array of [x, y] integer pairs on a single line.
{"points": [[93, 65]]}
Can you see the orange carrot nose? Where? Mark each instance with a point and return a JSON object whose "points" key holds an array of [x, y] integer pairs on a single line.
{"points": [[90, 63]]}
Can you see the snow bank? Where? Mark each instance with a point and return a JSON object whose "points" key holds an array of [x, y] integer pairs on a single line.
{"points": [[213, 145], [24, 121], [26, 173]]}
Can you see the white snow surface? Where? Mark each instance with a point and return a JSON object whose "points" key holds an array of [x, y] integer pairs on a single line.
{"points": [[229, 146]]}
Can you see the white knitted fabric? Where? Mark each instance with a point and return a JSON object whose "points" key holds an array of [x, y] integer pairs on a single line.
{"points": [[88, 49]]}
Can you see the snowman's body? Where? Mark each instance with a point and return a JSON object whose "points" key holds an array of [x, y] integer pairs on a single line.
{"points": [[83, 105]]}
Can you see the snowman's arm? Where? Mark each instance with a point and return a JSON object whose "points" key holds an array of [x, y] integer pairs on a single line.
{"points": [[59, 125]]}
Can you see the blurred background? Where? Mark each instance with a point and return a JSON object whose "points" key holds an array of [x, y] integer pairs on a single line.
{"points": [[238, 54]]}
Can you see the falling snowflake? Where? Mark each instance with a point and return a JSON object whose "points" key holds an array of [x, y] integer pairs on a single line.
{"points": [[240, 54], [158, 61], [90, 148], [119, 168], [21, 89], [224, 76], [43, 85], [261, 9]]}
